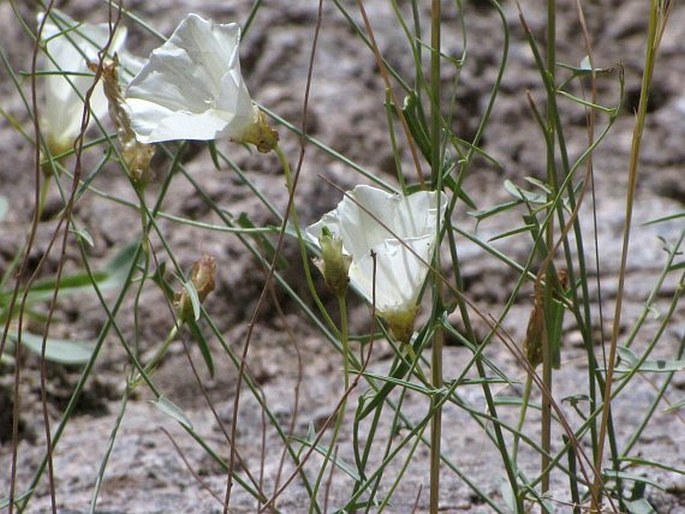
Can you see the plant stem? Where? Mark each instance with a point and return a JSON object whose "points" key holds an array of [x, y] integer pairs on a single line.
{"points": [[150, 366], [44, 189], [522, 418], [653, 36], [345, 344], [436, 182], [344, 338], [545, 437]]}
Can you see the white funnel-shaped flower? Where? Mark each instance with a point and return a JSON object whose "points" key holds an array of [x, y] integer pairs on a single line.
{"points": [[398, 231], [70, 46], [191, 87]]}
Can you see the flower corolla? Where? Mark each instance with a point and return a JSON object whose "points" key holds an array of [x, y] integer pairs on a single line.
{"points": [[391, 239], [192, 88], [70, 47]]}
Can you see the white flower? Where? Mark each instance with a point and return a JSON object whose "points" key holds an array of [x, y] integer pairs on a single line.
{"points": [[70, 46], [191, 88], [400, 230]]}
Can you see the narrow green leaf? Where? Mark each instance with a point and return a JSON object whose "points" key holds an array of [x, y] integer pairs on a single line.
{"points": [[269, 248], [663, 219], [640, 506], [581, 101], [84, 235], [401, 368], [676, 266], [416, 124], [539, 184], [202, 344], [112, 276], [64, 351], [626, 355], [676, 406], [118, 268], [516, 401], [404, 384], [622, 475], [628, 361], [522, 194], [5, 502], [158, 278], [214, 154], [491, 211], [651, 463], [194, 299], [518, 230], [169, 408], [337, 461], [362, 506]]}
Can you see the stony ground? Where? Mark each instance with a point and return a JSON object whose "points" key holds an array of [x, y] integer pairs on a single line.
{"points": [[146, 472]]}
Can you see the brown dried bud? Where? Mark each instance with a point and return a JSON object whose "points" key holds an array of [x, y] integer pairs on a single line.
{"points": [[535, 332], [136, 155], [202, 278]]}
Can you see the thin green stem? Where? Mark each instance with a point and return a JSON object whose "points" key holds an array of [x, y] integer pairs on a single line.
{"points": [[478, 357], [293, 217], [110, 324], [108, 450], [159, 354], [295, 222], [650, 60], [547, 356], [522, 418], [344, 338], [436, 182], [340, 418], [44, 189]]}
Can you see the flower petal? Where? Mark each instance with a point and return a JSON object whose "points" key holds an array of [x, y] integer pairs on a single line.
{"points": [[153, 122], [366, 216], [400, 271], [191, 87]]}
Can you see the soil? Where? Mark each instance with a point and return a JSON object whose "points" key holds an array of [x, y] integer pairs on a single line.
{"points": [[297, 371]]}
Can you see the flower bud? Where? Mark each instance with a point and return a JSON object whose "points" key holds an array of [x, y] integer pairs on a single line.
{"points": [[333, 264], [401, 323], [136, 155], [535, 332], [260, 134], [202, 277]]}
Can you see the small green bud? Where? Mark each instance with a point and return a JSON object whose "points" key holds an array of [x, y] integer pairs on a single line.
{"points": [[333, 264], [401, 323], [260, 134]]}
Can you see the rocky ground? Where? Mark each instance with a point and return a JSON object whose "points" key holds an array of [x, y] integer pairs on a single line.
{"points": [[146, 472]]}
